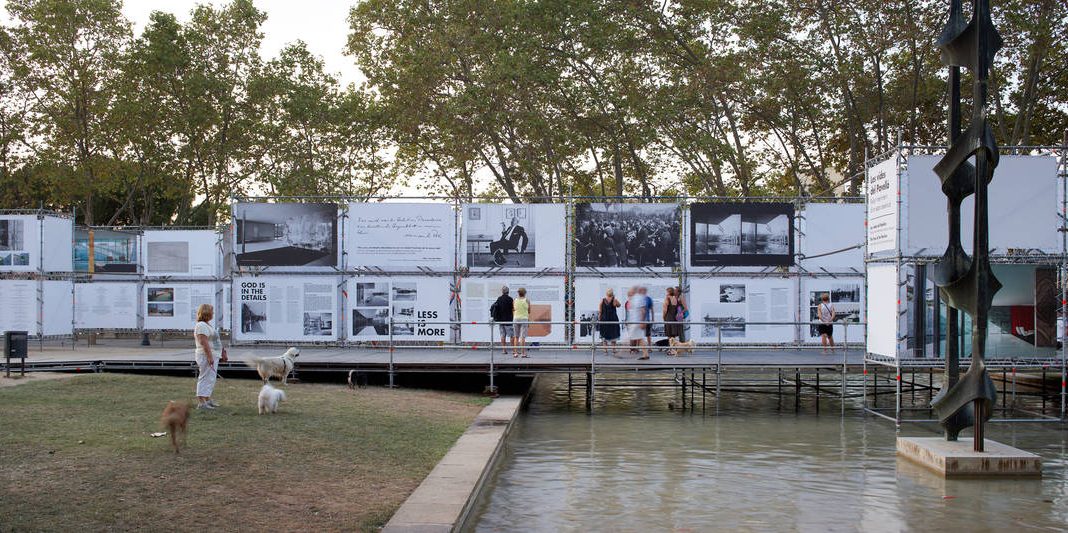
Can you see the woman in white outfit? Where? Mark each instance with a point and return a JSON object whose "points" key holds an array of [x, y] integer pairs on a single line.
{"points": [[208, 344]]}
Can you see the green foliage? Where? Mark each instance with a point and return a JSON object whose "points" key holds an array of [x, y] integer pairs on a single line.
{"points": [[527, 100]]}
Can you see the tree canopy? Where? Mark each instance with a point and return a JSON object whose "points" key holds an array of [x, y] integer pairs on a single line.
{"points": [[527, 100]]}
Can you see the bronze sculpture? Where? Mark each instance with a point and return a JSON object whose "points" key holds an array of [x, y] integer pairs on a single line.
{"points": [[967, 283]]}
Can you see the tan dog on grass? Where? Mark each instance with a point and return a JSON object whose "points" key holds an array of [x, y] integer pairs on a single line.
{"points": [[680, 347], [274, 367], [174, 419]]}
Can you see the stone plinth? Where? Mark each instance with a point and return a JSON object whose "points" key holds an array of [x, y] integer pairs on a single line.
{"points": [[956, 459]]}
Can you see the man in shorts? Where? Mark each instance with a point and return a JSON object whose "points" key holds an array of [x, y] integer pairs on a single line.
{"points": [[501, 313]]}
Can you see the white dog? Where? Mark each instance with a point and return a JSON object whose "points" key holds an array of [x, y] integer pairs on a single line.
{"points": [[274, 367], [269, 398]]}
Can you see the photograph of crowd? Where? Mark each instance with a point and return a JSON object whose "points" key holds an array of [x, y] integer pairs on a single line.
{"points": [[627, 235], [740, 234]]}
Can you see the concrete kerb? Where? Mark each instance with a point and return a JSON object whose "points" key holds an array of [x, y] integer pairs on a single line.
{"points": [[443, 501]]}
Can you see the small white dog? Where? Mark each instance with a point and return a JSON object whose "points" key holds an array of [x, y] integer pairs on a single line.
{"points": [[269, 398], [274, 367]]}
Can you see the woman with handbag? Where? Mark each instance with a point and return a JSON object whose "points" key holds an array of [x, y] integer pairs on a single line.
{"points": [[672, 323], [608, 321]]}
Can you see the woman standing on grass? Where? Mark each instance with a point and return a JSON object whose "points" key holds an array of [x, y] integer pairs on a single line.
{"points": [[207, 343], [521, 319]]}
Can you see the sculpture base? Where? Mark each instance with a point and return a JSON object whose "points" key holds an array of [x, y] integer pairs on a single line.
{"points": [[956, 458]]}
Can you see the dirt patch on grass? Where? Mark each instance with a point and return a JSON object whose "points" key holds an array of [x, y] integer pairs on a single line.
{"points": [[77, 454], [31, 377]]}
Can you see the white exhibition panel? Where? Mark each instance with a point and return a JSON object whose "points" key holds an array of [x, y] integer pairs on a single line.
{"points": [[181, 253], [18, 306], [58, 309], [546, 296], [528, 236], [832, 237], [174, 305], [400, 236], [847, 299], [418, 306], [737, 301], [883, 185], [20, 243], [883, 312], [590, 291], [105, 305], [1023, 207], [59, 238], [281, 308]]}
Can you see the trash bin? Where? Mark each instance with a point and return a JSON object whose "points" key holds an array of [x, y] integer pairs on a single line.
{"points": [[16, 347]]}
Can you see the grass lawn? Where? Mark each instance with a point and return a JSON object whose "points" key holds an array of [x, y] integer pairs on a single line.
{"points": [[76, 454]]}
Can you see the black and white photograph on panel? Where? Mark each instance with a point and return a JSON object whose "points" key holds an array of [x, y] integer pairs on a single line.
{"points": [[844, 303], [370, 321], [732, 294], [405, 292], [627, 235], [286, 234], [742, 234], [12, 235], [404, 319], [730, 326], [253, 317], [500, 236], [319, 324], [372, 294]]}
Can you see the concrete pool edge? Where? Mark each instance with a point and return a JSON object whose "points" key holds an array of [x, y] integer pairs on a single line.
{"points": [[444, 499]]}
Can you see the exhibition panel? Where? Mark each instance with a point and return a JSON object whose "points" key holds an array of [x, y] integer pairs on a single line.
{"points": [[831, 236], [57, 299], [419, 307], [741, 310], [173, 306], [285, 308], [400, 236], [105, 305], [513, 236], [294, 236], [1024, 206], [621, 236], [58, 235], [884, 298], [846, 298], [181, 253], [546, 295], [741, 234], [883, 206], [20, 243], [105, 251], [18, 306], [590, 291]]}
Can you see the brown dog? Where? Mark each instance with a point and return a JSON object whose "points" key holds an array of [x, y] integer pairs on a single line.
{"points": [[174, 419]]}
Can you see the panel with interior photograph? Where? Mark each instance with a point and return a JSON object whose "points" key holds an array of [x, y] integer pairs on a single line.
{"points": [[741, 234]]}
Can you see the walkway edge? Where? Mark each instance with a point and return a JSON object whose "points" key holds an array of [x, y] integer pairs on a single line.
{"points": [[444, 499]]}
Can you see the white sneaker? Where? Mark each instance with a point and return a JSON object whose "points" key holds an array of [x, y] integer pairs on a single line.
{"points": [[206, 406], [213, 404]]}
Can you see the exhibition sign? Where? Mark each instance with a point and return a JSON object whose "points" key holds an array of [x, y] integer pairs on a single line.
{"points": [[884, 316], [403, 236], [57, 309], [739, 310], [883, 184], [20, 243], [513, 236], [58, 235], [105, 251], [741, 234], [18, 306], [832, 237], [846, 296], [589, 292], [1024, 200], [173, 306], [546, 295], [281, 308], [627, 236], [419, 307], [181, 253], [289, 235], [105, 305]]}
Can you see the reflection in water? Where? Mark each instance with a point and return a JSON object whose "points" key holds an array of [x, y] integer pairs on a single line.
{"points": [[754, 464]]}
